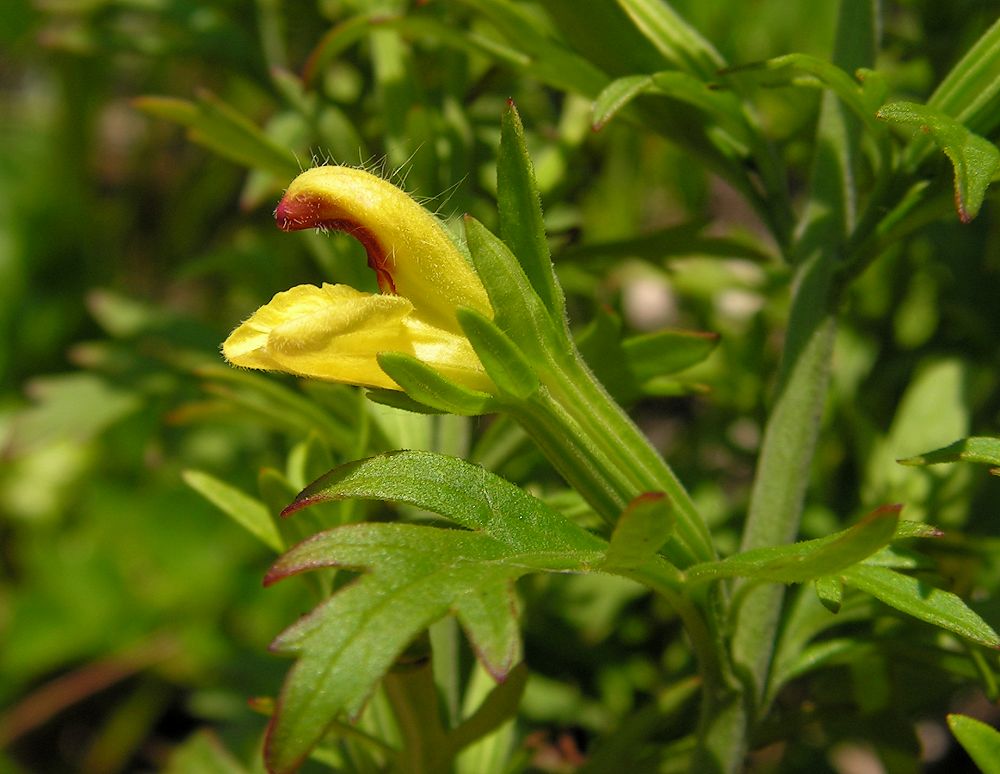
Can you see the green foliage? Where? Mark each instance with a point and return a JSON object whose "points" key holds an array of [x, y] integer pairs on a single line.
{"points": [[748, 239]]}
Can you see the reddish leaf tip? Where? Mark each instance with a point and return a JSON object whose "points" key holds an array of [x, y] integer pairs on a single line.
{"points": [[299, 504]]}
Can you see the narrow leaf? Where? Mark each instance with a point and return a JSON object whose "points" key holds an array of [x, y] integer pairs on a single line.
{"points": [[504, 362], [977, 449], [224, 130], [807, 560], [830, 591], [666, 352], [677, 40], [981, 741], [249, 513], [497, 708], [975, 159], [616, 96], [917, 598], [970, 92], [641, 530], [520, 312], [521, 224], [810, 71], [425, 385]]}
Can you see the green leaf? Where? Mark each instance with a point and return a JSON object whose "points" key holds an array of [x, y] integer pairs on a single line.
{"points": [[338, 39], [975, 159], [721, 107], [600, 343], [830, 591], [224, 130], [504, 362], [971, 90], [425, 385], [400, 400], [641, 531], [810, 559], [414, 576], [660, 353], [683, 239], [976, 449], [927, 603], [677, 40], [616, 96], [496, 709], [981, 741], [548, 60], [521, 224], [203, 753], [520, 313], [248, 512], [467, 494]]}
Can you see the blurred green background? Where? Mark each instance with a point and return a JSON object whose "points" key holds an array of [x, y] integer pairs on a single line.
{"points": [[131, 609]]}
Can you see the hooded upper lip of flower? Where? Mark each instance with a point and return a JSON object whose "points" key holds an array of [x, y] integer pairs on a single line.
{"points": [[335, 332]]}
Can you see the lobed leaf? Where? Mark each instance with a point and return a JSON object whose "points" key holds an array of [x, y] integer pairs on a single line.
{"points": [[975, 159], [414, 576]]}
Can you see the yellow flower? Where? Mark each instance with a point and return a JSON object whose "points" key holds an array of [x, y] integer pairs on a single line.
{"points": [[335, 332]]}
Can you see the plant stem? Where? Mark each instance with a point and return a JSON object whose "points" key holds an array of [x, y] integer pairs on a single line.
{"points": [[792, 428], [601, 452]]}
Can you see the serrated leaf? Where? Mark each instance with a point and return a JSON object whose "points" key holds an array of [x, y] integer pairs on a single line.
{"points": [[467, 494], [414, 576], [504, 362], [425, 385], [520, 208], [641, 531], [248, 512], [927, 603], [981, 741], [809, 559], [975, 159], [983, 450]]}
